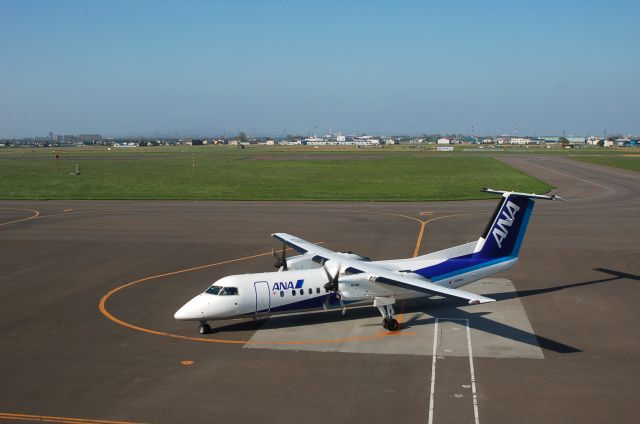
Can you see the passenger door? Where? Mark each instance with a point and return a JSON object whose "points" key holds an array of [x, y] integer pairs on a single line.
{"points": [[263, 297]]}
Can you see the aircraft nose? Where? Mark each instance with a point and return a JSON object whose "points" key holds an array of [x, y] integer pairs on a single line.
{"points": [[192, 310]]}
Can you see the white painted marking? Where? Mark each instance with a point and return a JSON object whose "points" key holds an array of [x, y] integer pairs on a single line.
{"points": [[471, 370], [490, 340], [473, 376], [433, 371]]}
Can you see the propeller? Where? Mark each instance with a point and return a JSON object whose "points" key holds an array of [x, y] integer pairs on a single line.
{"points": [[281, 259], [332, 286]]}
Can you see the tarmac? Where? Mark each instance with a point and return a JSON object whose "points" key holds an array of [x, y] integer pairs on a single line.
{"points": [[88, 290]]}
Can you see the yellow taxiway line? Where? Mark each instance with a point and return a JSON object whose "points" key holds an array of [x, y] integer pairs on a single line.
{"points": [[52, 419]]}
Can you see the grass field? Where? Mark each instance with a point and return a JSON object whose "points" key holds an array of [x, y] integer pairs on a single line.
{"points": [[254, 174], [631, 162]]}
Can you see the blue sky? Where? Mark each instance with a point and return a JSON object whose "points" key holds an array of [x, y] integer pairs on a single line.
{"points": [[196, 67]]}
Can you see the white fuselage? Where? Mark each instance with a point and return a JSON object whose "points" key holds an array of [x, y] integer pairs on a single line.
{"points": [[271, 293], [319, 277]]}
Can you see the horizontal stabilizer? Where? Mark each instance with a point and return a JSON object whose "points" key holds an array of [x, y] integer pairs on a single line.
{"points": [[529, 195]]}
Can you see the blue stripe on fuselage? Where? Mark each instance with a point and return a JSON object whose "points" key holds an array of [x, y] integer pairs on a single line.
{"points": [[309, 303], [457, 266]]}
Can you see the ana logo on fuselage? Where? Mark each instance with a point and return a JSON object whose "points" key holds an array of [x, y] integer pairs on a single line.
{"points": [[288, 285], [500, 231]]}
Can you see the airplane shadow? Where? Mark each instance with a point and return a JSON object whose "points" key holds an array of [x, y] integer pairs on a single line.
{"points": [[617, 275], [449, 308]]}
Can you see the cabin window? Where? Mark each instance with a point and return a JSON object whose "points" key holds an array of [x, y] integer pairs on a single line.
{"points": [[318, 290], [281, 294], [310, 291], [293, 292], [301, 292]]}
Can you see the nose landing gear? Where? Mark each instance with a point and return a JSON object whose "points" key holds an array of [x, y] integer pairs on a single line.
{"points": [[204, 328]]}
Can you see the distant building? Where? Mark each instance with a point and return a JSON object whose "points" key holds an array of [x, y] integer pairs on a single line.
{"points": [[520, 140], [593, 141], [444, 141], [577, 141]]}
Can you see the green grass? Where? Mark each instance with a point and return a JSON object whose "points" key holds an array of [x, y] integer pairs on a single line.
{"points": [[631, 162], [253, 174]]}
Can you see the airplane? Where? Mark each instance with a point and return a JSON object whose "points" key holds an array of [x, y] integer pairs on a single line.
{"points": [[319, 278]]}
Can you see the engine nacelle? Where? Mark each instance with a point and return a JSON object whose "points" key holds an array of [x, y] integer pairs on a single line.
{"points": [[302, 262], [354, 287]]}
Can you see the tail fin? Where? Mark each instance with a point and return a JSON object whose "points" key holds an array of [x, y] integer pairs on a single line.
{"points": [[499, 243], [508, 225]]}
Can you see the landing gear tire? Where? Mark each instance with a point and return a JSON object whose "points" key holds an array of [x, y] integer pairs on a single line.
{"points": [[204, 329], [392, 324], [385, 323]]}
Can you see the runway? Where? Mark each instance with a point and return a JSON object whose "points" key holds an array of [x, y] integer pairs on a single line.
{"points": [[88, 290]]}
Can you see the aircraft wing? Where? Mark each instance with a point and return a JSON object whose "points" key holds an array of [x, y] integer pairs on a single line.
{"points": [[393, 280], [380, 275], [303, 246]]}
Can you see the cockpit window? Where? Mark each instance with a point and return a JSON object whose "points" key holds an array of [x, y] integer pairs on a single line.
{"points": [[214, 290], [229, 291], [222, 291]]}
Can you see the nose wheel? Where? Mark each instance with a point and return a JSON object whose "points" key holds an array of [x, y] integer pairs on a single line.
{"points": [[204, 328]]}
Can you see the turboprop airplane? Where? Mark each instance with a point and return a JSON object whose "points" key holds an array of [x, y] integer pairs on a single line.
{"points": [[321, 278]]}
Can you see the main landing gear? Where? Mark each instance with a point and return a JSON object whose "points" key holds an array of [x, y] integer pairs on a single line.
{"points": [[390, 324], [204, 328], [385, 306]]}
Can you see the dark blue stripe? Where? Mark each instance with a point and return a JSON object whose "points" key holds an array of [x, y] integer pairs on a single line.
{"points": [[523, 229], [309, 303]]}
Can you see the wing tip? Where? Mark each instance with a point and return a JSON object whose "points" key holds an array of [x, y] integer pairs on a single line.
{"points": [[481, 300]]}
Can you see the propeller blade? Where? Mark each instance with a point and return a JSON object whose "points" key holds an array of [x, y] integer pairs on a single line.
{"points": [[332, 284], [281, 258], [284, 256]]}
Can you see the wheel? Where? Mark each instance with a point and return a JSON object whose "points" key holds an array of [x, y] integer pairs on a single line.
{"points": [[385, 323], [204, 329], [392, 324]]}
